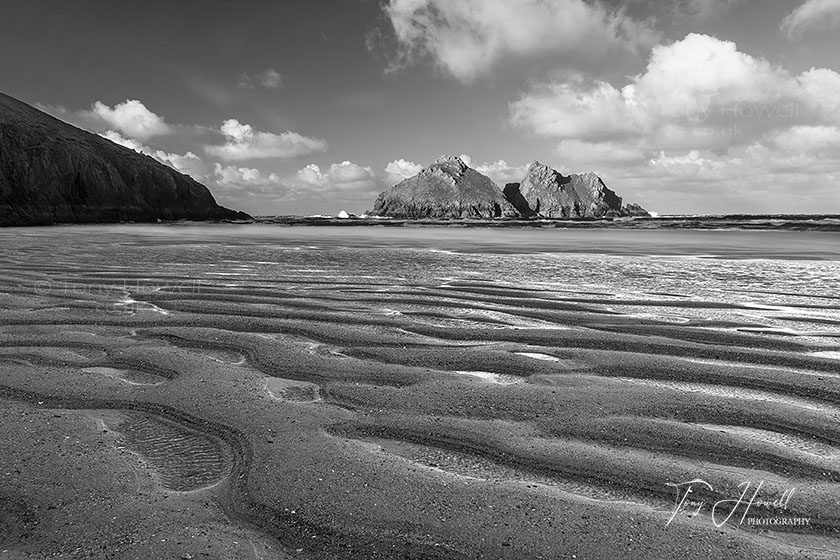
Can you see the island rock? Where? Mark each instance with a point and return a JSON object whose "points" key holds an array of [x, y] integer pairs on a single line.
{"points": [[546, 193], [447, 189]]}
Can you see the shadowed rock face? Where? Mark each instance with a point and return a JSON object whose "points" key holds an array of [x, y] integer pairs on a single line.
{"points": [[446, 189], [546, 193], [52, 172]]}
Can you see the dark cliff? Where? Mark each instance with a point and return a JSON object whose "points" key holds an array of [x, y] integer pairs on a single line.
{"points": [[52, 172]]}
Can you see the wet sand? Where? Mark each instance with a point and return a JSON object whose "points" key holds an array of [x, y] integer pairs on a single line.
{"points": [[189, 392]]}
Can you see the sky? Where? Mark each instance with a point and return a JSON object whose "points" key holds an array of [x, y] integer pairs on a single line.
{"points": [[316, 106]]}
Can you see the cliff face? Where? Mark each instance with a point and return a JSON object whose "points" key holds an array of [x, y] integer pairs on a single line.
{"points": [[52, 172], [446, 189], [546, 193]]}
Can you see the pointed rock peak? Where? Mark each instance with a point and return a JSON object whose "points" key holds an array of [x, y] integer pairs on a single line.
{"points": [[450, 159], [541, 172], [451, 165]]}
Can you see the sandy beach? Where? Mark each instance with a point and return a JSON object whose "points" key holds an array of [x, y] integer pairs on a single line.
{"points": [[186, 391]]}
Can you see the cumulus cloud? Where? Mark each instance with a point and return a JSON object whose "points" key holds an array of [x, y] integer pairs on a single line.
{"points": [[263, 192], [470, 38], [501, 172], [702, 113], [689, 93], [187, 163], [691, 163], [268, 79], [132, 118], [118, 138], [242, 142], [400, 169], [811, 15], [239, 177], [808, 140], [344, 176]]}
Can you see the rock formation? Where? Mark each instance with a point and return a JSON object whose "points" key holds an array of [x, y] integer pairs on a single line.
{"points": [[52, 172], [548, 194], [448, 188]]}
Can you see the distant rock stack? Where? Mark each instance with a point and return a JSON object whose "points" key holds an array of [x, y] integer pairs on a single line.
{"points": [[546, 193], [52, 172], [447, 189]]}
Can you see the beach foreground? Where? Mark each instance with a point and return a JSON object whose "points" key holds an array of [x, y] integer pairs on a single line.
{"points": [[230, 391]]}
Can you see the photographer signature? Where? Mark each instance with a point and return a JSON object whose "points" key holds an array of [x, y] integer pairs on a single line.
{"points": [[725, 506]]}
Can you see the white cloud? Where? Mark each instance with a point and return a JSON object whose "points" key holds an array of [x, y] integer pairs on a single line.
{"points": [[243, 177], [131, 118], [344, 176], [819, 89], [242, 142], [343, 181], [811, 15], [577, 110], [118, 138], [691, 163], [703, 117], [268, 78], [187, 163], [400, 169], [697, 92], [501, 172], [469, 38], [809, 140]]}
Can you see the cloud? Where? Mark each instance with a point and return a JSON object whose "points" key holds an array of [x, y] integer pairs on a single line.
{"points": [[187, 163], [342, 177], [699, 90], [132, 118], [689, 164], [400, 169], [264, 192], [268, 79], [576, 109], [703, 115], [242, 142], [805, 140], [130, 143], [811, 15], [501, 172], [470, 38], [243, 177]]}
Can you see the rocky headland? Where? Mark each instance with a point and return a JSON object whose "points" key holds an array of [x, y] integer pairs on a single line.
{"points": [[52, 172]]}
